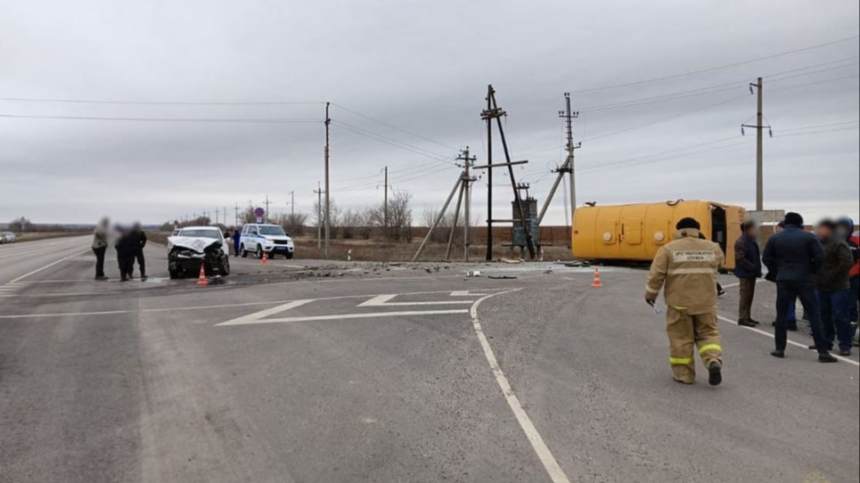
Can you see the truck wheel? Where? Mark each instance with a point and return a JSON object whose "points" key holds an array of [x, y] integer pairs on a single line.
{"points": [[259, 252], [225, 267], [173, 274], [288, 255], [242, 251]]}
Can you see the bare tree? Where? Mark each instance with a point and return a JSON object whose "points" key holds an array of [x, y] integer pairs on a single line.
{"points": [[20, 225], [399, 217], [295, 223]]}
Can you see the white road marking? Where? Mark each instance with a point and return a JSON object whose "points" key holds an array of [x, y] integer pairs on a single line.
{"points": [[791, 342], [733, 285], [199, 307], [22, 277], [256, 316], [383, 301], [544, 454], [372, 315], [466, 293]]}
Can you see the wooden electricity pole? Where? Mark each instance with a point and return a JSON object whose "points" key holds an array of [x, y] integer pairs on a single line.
{"points": [[493, 112], [489, 175]]}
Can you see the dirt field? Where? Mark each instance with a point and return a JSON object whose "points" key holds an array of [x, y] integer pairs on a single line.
{"points": [[381, 251], [33, 236]]}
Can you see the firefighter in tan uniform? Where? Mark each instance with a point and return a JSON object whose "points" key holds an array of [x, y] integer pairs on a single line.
{"points": [[688, 268]]}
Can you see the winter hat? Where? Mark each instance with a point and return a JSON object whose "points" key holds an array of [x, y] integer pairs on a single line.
{"points": [[688, 223], [793, 219], [828, 223], [747, 225], [847, 222]]}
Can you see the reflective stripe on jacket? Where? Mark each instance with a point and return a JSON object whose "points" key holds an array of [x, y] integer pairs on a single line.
{"points": [[687, 267]]}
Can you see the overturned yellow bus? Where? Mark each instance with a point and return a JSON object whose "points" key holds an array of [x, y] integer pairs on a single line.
{"points": [[632, 233]]}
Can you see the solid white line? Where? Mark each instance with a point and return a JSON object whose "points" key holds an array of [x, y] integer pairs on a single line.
{"points": [[796, 344], [70, 314], [544, 454], [359, 316], [382, 301], [49, 266]]}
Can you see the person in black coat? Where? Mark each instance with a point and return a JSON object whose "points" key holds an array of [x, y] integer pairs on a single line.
{"points": [[748, 270], [794, 256], [139, 241], [126, 246]]}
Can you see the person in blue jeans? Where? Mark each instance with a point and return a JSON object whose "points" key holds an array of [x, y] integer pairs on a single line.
{"points": [[832, 284], [793, 257]]}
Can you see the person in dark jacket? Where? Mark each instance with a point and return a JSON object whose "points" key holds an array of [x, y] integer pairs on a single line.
{"points": [[831, 281], [101, 239], [125, 250], [748, 270], [771, 277], [236, 237], [845, 229], [795, 255], [139, 241]]}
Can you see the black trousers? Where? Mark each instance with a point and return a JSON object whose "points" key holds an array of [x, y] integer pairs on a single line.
{"points": [[100, 261], [126, 264], [141, 262], [786, 294]]}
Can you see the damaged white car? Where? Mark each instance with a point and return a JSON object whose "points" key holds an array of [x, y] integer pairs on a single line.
{"points": [[195, 246]]}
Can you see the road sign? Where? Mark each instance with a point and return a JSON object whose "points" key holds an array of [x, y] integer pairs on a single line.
{"points": [[259, 212]]}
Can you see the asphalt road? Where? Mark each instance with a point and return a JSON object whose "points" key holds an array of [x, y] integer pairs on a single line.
{"points": [[314, 372]]}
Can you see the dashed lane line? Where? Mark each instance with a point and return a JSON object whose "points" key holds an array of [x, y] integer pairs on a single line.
{"points": [[549, 462], [791, 342]]}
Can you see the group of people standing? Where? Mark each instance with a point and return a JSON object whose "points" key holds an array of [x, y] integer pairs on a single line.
{"points": [[129, 244], [820, 269]]}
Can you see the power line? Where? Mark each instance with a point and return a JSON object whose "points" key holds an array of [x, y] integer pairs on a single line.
{"points": [[727, 86], [720, 67], [386, 140], [393, 127], [160, 103], [152, 119]]}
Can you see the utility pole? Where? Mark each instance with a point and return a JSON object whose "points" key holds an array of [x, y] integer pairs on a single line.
{"points": [[236, 214], [327, 185], [489, 175], [495, 113], [759, 127], [468, 180], [385, 203], [266, 217], [319, 193], [292, 205], [569, 164]]}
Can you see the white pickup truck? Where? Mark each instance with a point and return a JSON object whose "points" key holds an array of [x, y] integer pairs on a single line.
{"points": [[269, 239]]}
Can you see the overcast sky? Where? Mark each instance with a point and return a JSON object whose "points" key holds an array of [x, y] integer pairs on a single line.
{"points": [[423, 67]]}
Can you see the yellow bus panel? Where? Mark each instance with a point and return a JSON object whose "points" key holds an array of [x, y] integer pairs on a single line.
{"points": [[635, 232]]}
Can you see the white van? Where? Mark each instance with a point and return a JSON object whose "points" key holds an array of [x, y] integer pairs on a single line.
{"points": [[260, 238]]}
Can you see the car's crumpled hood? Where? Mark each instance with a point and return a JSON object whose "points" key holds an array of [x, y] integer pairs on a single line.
{"points": [[196, 244]]}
